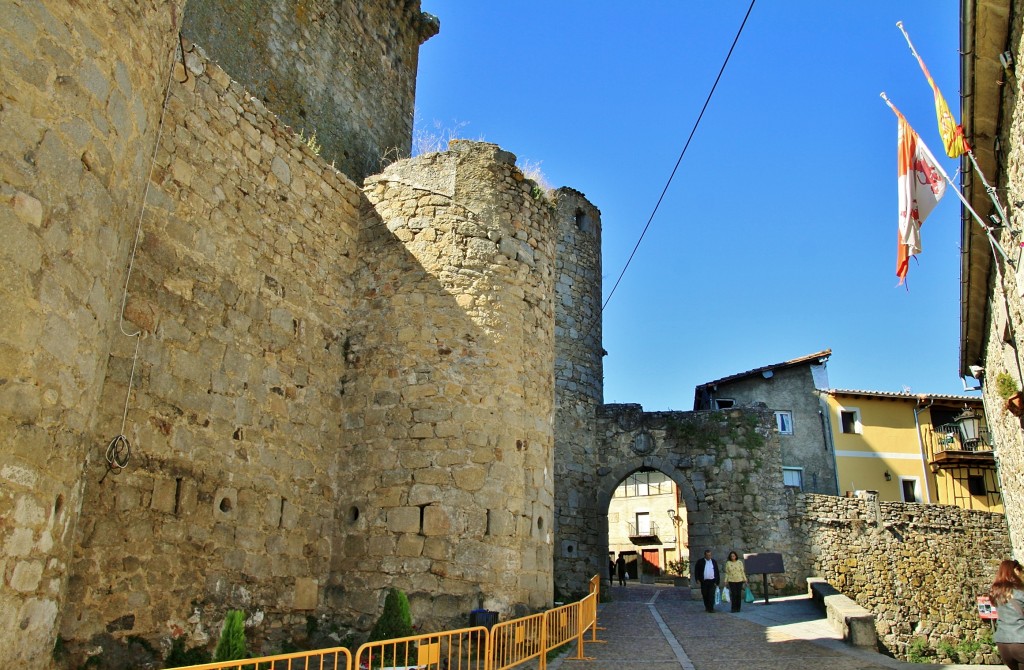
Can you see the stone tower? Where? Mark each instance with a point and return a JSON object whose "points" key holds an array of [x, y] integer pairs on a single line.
{"points": [[579, 381], [458, 479], [342, 71]]}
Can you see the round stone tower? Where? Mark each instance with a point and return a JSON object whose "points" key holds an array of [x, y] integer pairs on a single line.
{"points": [[579, 381], [452, 395]]}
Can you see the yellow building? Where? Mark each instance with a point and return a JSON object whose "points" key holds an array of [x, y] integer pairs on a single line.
{"points": [[914, 448]]}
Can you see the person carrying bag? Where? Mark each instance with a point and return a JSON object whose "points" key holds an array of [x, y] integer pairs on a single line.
{"points": [[735, 580]]}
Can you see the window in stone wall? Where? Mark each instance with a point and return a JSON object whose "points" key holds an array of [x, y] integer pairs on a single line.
{"points": [[793, 477], [724, 403], [849, 419], [784, 422]]}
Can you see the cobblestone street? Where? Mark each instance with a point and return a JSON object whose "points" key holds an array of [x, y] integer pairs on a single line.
{"points": [[658, 627]]}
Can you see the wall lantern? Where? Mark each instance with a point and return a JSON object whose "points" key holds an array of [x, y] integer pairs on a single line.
{"points": [[888, 477], [969, 423]]}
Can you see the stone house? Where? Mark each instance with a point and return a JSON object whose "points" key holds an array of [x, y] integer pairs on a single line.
{"points": [[992, 271], [914, 448], [789, 390]]}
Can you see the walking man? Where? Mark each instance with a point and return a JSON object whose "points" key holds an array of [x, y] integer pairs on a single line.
{"points": [[705, 571]]}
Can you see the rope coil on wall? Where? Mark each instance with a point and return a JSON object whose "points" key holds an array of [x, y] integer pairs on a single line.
{"points": [[119, 450]]}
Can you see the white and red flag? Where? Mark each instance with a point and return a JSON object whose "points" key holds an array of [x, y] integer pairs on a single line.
{"points": [[921, 186]]}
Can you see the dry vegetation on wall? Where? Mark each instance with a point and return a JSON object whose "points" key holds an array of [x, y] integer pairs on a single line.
{"points": [[434, 137]]}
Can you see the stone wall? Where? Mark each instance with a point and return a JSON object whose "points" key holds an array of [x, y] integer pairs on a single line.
{"points": [[917, 568], [345, 71], [1005, 314], [243, 288], [78, 122]]}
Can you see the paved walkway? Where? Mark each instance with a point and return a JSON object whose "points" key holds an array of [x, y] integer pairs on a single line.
{"points": [[655, 627]]}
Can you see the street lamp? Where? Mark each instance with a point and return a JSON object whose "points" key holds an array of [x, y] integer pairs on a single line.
{"points": [[969, 422]]}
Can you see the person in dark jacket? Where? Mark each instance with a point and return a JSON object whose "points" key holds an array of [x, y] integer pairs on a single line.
{"points": [[620, 568], [705, 571]]}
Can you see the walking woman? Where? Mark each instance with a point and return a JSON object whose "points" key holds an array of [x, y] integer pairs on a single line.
{"points": [[735, 578], [1007, 594]]}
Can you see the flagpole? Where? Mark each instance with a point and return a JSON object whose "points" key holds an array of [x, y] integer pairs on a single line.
{"points": [[967, 205], [991, 190]]}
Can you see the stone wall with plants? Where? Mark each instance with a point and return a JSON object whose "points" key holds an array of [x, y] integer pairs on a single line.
{"points": [[918, 568]]}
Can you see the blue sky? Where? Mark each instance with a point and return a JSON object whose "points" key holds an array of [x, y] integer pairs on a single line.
{"points": [[777, 236]]}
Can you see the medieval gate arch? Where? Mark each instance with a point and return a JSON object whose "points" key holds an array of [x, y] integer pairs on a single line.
{"points": [[726, 464]]}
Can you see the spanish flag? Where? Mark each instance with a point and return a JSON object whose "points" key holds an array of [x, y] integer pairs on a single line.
{"points": [[952, 133], [921, 186]]}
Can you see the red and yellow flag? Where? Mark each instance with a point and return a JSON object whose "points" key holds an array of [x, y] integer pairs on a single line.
{"points": [[921, 186], [952, 133]]}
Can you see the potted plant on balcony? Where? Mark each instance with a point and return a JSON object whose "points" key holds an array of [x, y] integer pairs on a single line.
{"points": [[1007, 388], [680, 571]]}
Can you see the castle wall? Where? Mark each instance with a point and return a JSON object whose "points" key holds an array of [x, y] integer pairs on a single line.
{"points": [[455, 435], [343, 70], [78, 122], [579, 382], [917, 568], [242, 284]]}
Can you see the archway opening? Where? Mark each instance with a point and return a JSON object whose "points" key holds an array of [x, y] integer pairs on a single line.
{"points": [[647, 528]]}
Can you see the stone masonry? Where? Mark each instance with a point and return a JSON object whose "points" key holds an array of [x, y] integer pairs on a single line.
{"points": [[917, 568], [334, 389], [344, 71]]}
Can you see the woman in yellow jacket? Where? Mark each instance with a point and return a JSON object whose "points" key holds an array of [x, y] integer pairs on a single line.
{"points": [[735, 579]]}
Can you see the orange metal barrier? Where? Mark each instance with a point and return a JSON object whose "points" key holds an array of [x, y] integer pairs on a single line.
{"points": [[517, 641], [462, 649], [335, 658], [504, 646]]}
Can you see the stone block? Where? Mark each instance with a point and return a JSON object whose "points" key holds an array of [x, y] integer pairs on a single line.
{"points": [[164, 495], [404, 520], [306, 595], [436, 521]]}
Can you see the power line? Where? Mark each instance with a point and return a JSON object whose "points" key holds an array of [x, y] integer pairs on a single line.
{"points": [[681, 154]]}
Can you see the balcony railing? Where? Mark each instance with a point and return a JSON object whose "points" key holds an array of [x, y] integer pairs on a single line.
{"points": [[948, 437], [645, 530]]}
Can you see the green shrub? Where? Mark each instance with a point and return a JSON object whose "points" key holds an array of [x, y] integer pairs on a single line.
{"points": [[395, 621], [231, 646], [918, 651], [1006, 385]]}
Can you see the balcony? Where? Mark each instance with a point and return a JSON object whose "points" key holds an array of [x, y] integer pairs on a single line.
{"points": [[948, 448], [645, 534]]}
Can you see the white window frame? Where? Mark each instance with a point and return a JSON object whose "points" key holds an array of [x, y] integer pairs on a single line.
{"points": [[800, 474], [917, 489], [858, 427], [724, 403], [780, 418]]}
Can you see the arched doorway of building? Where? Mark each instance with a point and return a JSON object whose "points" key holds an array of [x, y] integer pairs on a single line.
{"points": [[647, 526]]}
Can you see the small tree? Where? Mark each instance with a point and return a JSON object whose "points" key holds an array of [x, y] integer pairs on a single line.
{"points": [[231, 646], [395, 621], [680, 568]]}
